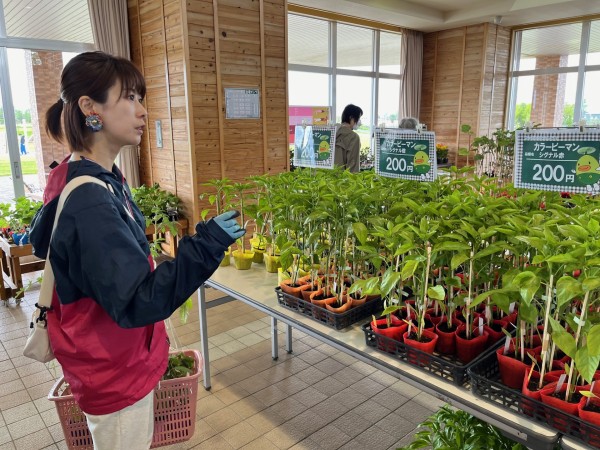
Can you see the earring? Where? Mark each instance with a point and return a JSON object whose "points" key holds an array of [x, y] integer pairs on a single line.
{"points": [[94, 121]]}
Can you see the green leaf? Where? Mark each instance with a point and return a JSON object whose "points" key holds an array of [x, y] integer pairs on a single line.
{"points": [[538, 259], [564, 340], [586, 364], [567, 288], [452, 246], [528, 284], [589, 284], [360, 230], [593, 341], [576, 232], [594, 226], [458, 259], [528, 312], [389, 280], [436, 292], [409, 268], [565, 258]]}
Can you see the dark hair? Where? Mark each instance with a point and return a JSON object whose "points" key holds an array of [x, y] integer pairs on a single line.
{"points": [[409, 123], [91, 74], [351, 112]]}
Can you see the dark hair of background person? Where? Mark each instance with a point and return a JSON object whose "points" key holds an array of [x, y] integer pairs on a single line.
{"points": [[91, 74], [409, 123], [351, 112]]}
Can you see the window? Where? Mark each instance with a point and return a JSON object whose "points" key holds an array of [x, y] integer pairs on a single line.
{"points": [[308, 41], [335, 64], [551, 83]]}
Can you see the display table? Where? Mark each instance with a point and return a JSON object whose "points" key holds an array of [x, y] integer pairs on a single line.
{"points": [[255, 287], [13, 268]]}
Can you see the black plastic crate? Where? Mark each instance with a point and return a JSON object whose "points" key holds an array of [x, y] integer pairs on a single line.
{"points": [[444, 366], [323, 315], [486, 383]]}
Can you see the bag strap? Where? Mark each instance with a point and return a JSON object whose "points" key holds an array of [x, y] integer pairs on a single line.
{"points": [[45, 298]]}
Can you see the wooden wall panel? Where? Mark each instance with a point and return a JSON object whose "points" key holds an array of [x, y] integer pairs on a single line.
{"points": [[464, 80], [189, 52]]}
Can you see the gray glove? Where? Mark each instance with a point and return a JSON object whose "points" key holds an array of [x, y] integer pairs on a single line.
{"points": [[229, 225]]}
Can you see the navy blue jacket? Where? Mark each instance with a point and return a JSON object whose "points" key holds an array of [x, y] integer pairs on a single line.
{"points": [[99, 251]]}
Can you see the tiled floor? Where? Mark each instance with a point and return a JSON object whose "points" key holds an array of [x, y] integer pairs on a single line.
{"points": [[315, 398]]}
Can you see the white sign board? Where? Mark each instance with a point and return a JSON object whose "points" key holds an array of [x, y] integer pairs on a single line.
{"points": [[242, 103]]}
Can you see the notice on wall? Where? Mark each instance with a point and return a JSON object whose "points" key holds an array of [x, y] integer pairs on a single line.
{"points": [[558, 160], [314, 146], [307, 115], [242, 103], [407, 155]]}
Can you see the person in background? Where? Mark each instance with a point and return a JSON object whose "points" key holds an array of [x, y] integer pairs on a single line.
{"points": [[347, 142], [408, 123], [106, 321], [22, 145]]}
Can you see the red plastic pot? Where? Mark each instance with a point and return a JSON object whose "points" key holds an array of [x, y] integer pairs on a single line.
{"points": [[295, 290], [533, 393], [495, 331], [589, 434], [425, 347], [395, 332], [469, 349], [446, 343], [513, 370], [435, 319], [548, 398]]}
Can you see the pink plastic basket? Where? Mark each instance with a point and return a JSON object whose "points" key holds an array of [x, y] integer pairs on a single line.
{"points": [[174, 410]]}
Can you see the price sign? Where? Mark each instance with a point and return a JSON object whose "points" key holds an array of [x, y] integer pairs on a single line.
{"points": [[314, 146], [408, 155], [558, 160]]}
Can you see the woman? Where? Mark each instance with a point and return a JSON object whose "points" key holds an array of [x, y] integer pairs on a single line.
{"points": [[347, 142], [105, 325]]}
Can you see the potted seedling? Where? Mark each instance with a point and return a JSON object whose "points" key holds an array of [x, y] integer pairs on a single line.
{"points": [[220, 198], [242, 258]]}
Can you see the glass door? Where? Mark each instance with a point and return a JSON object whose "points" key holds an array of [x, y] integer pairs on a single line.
{"points": [[11, 177]]}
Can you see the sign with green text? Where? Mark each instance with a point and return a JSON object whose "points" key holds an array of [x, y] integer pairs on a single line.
{"points": [[405, 154], [558, 160], [314, 146]]}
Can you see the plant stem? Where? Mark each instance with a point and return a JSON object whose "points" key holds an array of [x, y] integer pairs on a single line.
{"points": [[546, 335], [577, 335], [468, 299]]}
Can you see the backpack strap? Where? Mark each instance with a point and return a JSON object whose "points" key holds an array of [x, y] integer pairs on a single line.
{"points": [[45, 298]]}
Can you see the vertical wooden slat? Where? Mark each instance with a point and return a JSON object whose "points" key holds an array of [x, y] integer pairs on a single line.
{"points": [[460, 93], [219, 86], [287, 97], [187, 84], [263, 83], [168, 89]]}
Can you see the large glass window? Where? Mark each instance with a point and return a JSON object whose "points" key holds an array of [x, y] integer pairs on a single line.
{"points": [[551, 85], [335, 64], [354, 48], [308, 41]]}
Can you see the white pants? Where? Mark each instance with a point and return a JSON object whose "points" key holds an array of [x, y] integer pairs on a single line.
{"points": [[128, 429]]}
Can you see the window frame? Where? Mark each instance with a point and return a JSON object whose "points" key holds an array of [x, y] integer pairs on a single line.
{"points": [[333, 71], [581, 69]]}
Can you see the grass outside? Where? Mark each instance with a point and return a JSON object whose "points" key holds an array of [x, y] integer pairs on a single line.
{"points": [[28, 165]]}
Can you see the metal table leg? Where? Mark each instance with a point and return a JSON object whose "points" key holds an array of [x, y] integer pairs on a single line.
{"points": [[288, 338], [274, 339], [204, 336]]}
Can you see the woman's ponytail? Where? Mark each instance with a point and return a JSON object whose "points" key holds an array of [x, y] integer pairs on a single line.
{"points": [[54, 122]]}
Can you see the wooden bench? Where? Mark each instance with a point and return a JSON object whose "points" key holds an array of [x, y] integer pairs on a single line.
{"points": [[13, 268], [170, 244]]}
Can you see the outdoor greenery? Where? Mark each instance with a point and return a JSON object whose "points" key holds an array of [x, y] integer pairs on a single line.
{"points": [[28, 166]]}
